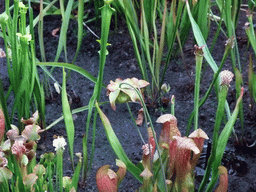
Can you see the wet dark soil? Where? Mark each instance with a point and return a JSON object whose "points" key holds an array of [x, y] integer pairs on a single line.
{"points": [[239, 158]]}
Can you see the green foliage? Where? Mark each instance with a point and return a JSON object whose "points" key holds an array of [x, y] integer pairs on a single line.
{"points": [[157, 32], [21, 63], [173, 148], [148, 44], [252, 39], [69, 124], [116, 145], [106, 13]]}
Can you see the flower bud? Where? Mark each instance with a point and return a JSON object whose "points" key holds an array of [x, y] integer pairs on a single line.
{"points": [[226, 77], [230, 42], [23, 8]]}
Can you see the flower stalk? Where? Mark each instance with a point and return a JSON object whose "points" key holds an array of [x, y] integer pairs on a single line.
{"points": [[226, 78], [199, 60], [59, 143], [173, 105]]}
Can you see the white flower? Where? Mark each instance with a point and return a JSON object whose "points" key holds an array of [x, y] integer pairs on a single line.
{"points": [[21, 5], [226, 77], [59, 143]]}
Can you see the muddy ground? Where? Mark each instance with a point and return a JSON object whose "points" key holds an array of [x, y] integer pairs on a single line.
{"points": [[121, 62]]}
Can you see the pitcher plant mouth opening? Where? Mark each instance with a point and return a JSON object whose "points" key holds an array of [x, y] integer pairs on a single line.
{"points": [[108, 180]]}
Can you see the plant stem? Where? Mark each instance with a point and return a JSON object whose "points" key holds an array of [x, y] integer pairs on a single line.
{"points": [[59, 175], [219, 116], [199, 60]]}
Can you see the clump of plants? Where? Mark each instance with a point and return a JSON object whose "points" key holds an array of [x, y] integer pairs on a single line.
{"points": [[158, 33], [19, 168], [168, 163], [179, 157]]}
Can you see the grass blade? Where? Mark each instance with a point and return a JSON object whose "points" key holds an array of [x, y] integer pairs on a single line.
{"points": [[106, 12], [75, 68], [40, 32], [222, 142], [80, 27], [116, 145], [69, 124], [63, 31]]}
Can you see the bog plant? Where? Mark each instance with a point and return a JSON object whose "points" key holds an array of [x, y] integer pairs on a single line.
{"points": [[158, 33], [21, 64], [168, 163], [149, 46], [19, 169]]}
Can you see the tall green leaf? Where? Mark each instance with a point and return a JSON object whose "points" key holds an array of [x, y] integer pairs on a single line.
{"points": [[116, 145], [68, 119]]}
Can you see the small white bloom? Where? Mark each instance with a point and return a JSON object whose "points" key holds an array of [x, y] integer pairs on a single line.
{"points": [[57, 88], [28, 37], [226, 77], [21, 5], [59, 143]]}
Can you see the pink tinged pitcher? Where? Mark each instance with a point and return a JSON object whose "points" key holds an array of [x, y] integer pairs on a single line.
{"points": [[198, 136]]}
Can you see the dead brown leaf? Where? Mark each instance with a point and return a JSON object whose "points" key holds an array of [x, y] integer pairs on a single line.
{"points": [[55, 31], [139, 120]]}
